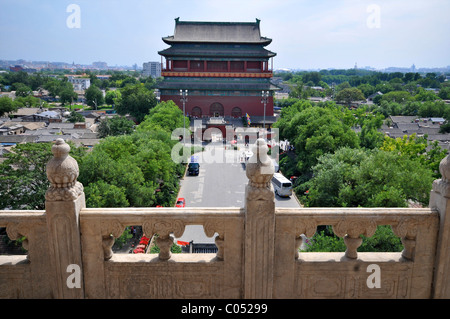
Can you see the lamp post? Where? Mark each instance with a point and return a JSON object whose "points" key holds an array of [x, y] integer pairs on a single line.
{"points": [[184, 99], [264, 99]]}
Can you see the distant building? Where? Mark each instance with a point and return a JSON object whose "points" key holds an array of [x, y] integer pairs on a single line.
{"points": [[79, 83], [100, 65], [152, 69], [372, 96], [103, 76], [223, 65], [19, 68]]}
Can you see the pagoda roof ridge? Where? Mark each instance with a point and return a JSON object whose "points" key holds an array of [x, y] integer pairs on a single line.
{"points": [[217, 32]]}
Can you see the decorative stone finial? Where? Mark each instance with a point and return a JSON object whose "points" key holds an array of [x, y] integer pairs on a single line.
{"points": [[260, 170], [62, 172], [444, 169]]}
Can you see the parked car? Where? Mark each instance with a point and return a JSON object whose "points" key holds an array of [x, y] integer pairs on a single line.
{"points": [[193, 168], [180, 202]]}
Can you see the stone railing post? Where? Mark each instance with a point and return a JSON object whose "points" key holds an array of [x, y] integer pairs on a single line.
{"points": [[440, 201], [63, 201], [259, 224]]}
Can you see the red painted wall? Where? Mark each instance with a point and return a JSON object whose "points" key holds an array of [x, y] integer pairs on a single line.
{"points": [[248, 104]]}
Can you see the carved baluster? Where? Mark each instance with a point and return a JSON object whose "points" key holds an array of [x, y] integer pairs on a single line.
{"points": [[164, 229], [308, 228], [352, 244], [298, 243], [110, 231], [210, 228], [15, 231], [164, 243], [351, 230], [220, 244], [107, 243], [407, 230]]}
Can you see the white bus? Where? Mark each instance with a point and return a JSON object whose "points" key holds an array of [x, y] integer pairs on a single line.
{"points": [[282, 186]]}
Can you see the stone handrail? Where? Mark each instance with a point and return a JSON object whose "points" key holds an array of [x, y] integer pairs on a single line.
{"points": [[351, 223], [258, 255], [161, 221]]}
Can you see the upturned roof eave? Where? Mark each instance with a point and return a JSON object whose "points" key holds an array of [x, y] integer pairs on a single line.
{"points": [[164, 53], [263, 41]]}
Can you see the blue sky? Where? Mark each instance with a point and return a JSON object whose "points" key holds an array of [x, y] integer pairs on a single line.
{"points": [[307, 34]]}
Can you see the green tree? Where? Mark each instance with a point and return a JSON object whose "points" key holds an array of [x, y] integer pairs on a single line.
{"points": [[368, 178], [23, 90], [314, 131], [444, 93], [427, 153], [366, 89], [111, 96], [67, 95], [166, 116], [135, 100], [53, 86], [138, 165], [397, 96], [94, 96], [370, 137], [28, 101], [349, 95], [102, 194], [23, 176], [384, 240], [7, 105], [433, 109], [313, 77], [117, 125], [298, 91], [424, 95], [76, 117]]}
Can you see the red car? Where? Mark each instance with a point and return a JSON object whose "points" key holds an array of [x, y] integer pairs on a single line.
{"points": [[180, 202]]}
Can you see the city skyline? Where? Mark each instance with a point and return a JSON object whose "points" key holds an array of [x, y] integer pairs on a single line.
{"points": [[306, 34]]}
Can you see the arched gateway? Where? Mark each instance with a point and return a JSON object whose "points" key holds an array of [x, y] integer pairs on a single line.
{"points": [[196, 112], [216, 109], [236, 112]]}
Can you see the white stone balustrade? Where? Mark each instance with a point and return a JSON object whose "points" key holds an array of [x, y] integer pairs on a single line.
{"points": [[258, 246]]}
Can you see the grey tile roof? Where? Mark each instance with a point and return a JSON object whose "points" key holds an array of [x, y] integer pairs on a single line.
{"points": [[51, 138], [225, 32], [412, 127], [403, 119], [17, 138]]}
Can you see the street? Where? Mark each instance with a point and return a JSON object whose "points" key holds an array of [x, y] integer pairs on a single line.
{"points": [[221, 183]]}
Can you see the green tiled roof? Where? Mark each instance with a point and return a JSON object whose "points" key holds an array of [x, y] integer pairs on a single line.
{"points": [[208, 51], [217, 84]]}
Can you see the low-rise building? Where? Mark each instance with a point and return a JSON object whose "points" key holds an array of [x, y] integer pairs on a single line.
{"points": [[79, 82]]}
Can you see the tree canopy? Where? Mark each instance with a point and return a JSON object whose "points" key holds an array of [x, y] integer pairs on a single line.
{"points": [[314, 131], [136, 100], [368, 178], [166, 116], [117, 125]]}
